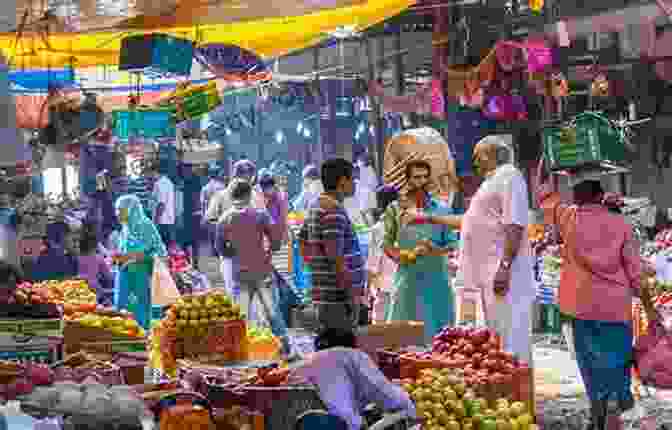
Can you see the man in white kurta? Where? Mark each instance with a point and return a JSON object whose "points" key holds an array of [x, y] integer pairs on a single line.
{"points": [[498, 215]]}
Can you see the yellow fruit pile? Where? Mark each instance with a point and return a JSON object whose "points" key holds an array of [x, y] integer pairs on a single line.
{"points": [[193, 314], [445, 403], [118, 325], [71, 294]]}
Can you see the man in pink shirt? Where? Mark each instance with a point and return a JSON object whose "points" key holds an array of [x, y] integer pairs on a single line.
{"points": [[599, 277], [242, 236]]}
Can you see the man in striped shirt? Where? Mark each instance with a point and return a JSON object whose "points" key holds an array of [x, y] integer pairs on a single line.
{"points": [[331, 251]]}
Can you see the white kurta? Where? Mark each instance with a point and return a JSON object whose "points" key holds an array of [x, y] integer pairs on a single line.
{"points": [[501, 200]]}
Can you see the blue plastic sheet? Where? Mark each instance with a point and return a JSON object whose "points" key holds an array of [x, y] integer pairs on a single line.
{"points": [[42, 79]]}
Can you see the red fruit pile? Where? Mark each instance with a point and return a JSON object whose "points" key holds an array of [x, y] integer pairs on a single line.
{"points": [[477, 352], [32, 375]]}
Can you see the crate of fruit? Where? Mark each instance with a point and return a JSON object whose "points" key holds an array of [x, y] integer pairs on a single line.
{"points": [[101, 327], [207, 324], [589, 139], [26, 328]]}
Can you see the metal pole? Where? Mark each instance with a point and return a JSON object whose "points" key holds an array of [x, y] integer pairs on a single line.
{"points": [[376, 110], [319, 153], [380, 120], [399, 63]]}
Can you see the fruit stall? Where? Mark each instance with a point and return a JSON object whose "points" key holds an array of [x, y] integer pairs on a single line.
{"points": [[466, 381]]}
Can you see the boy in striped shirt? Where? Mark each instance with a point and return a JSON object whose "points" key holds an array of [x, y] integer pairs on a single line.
{"points": [[330, 249]]}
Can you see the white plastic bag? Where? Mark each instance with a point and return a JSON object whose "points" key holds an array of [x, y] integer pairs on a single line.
{"points": [[568, 334], [229, 277], [164, 290]]}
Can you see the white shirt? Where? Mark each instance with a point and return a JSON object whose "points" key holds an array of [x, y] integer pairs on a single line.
{"points": [[221, 202], [164, 192]]}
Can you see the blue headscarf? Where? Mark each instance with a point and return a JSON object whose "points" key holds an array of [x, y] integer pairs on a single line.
{"points": [[139, 229]]}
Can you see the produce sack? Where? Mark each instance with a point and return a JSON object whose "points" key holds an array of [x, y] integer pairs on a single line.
{"points": [[653, 353], [164, 290]]}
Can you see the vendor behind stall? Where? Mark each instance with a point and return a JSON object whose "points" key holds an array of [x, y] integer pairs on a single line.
{"points": [[57, 262], [93, 268], [139, 243], [348, 380]]}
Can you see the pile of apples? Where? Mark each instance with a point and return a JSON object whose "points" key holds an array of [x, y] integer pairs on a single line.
{"points": [[74, 295], [444, 401], [478, 352], [31, 375], [663, 240]]}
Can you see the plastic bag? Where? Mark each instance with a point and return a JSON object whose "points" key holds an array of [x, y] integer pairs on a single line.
{"points": [[164, 290], [229, 277], [15, 419]]}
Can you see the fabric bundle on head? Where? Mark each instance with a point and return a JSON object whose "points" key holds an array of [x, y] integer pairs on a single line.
{"points": [[139, 228], [244, 168]]}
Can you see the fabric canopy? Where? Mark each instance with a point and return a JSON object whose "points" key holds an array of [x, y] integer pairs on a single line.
{"points": [[269, 38]]}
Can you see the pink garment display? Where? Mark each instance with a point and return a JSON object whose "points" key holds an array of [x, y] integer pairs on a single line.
{"points": [[438, 103], [420, 102], [506, 107], [539, 55], [508, 55]]}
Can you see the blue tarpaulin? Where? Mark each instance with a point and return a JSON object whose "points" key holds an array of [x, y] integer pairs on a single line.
{"points": [[42, 79]]}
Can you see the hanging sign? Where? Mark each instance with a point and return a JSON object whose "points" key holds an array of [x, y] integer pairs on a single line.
{"points": [[224, 59]]}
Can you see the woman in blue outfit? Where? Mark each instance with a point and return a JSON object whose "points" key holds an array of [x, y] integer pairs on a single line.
{"points": [[422, 283], [139, 243]]}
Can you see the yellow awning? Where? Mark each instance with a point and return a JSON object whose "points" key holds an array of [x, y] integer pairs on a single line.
{"points": [[269, 38]]}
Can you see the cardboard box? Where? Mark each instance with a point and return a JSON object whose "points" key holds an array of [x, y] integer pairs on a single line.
{"points": [[392, 335]]}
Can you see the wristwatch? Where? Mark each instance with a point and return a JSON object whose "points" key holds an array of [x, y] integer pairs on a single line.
{"points": [[505, 264]]}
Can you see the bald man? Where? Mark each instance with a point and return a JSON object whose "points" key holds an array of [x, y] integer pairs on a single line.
{"points": [[495, 252]]}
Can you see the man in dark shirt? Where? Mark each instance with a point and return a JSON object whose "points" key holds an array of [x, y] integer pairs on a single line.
{"points": [[331, 251]]}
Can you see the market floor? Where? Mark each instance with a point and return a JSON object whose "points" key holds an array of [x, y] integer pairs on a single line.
{"points": [[561, 402]]}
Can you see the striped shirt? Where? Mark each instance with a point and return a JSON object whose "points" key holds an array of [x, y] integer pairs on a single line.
{"points": [[325, 235]]}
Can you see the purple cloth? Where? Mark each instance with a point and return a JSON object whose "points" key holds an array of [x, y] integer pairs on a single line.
{"points": [[360, 384]]}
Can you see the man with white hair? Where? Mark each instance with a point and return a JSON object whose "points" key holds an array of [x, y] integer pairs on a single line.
{"points": [[495, 252]]}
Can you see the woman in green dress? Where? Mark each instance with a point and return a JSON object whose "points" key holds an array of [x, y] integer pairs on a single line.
{"points": [[139, 243], [422, 282]]}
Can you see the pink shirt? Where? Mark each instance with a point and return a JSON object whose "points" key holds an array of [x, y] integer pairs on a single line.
{"points": [[249, 230], [601, 263]]}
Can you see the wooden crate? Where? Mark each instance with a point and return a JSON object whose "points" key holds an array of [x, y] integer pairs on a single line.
{"points": [[392, 335]]}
